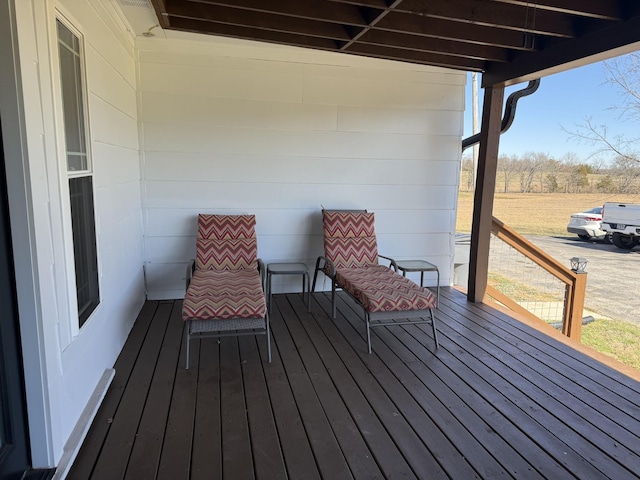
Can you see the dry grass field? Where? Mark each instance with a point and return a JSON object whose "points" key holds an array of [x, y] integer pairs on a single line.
{"points": [[537, 213]]}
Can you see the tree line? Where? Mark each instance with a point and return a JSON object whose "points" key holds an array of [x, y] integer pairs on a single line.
{"points": [[534, 172]]}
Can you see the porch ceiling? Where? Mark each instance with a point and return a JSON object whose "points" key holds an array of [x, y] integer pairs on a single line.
{"points": [[509, 40]]}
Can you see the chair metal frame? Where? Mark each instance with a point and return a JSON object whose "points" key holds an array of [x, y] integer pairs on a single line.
{"points": [[373, 319], [228, 327]]}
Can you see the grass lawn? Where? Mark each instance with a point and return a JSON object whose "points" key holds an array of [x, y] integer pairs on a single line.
{"points": [[618, 339], [548, 214]]}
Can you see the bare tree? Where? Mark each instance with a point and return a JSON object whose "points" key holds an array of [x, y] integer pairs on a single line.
{"points": [[467, 166], [624, 73], [508, 165], [626, 174], [530, 164]]}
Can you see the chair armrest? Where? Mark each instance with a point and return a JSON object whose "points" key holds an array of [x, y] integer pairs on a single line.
{"points": [[327, 262], [392, 262], [191, 267], [263, 274]]}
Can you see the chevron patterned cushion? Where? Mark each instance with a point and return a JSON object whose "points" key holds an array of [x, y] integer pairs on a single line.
{"points": [[239, 254], [224, 227], [380, 289], [224, 295], [349, 238], [226, 242]]}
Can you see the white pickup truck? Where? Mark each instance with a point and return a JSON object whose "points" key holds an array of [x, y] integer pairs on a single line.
{"points": [[622, 222]]}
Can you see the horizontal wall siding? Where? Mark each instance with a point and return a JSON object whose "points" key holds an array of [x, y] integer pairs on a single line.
{"points": [[77, 358], [237, 127]]}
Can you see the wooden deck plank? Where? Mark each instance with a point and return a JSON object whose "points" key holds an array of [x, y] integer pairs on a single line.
{"points": [[265, 445], [358, 456], [147, 447], [114, 456], [468, 431], [563, 444], [327, 452], [417, 344], [573, 361], [565, 408], [206, 455], [382, 446], [175, 457], [498, 399], [94, 441], [413, 448], [580, 401], [236, 442], [294, 442], [503, 440]]}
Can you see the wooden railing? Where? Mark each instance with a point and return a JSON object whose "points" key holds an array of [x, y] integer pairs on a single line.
{"points": [[575, 283]]}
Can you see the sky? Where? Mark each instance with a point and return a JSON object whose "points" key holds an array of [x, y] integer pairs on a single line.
{"points": [[563, 100]]}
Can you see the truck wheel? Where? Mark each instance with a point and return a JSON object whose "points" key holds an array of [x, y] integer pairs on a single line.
{"points": [[626, 242]]}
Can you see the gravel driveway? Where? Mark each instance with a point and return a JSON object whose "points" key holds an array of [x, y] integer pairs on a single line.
{"points": [[613, 284]]}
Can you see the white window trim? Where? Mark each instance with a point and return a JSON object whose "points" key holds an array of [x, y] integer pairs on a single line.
{"points": [[71, 329]]}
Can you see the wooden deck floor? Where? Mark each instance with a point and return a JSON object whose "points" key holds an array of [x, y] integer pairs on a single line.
{"points": [[497, 400]]}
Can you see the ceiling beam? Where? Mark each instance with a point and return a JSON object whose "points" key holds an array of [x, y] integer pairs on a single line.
{"points": [[252, 19], [493, 14], [377, 18], [425, 58], [523, 16], [312, 10], [594, 46], [161, 12], [248, 33], [448, 29], [585, 8], [434, 45]]}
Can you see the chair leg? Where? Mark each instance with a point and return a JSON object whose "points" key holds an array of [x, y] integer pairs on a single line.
{"points": [[333, 299], [366, 315], [187, 339], [433, 325], [268, 339], [315, 275]]}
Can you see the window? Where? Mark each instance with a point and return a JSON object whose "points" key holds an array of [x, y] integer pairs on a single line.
{"points": [[79, 172]]}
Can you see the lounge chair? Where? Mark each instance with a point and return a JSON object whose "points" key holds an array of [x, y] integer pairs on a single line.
{"points": [[225, 282], [351, 262]]}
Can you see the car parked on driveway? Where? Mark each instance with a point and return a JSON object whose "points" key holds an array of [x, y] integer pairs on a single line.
{"points": [[587, 225]]}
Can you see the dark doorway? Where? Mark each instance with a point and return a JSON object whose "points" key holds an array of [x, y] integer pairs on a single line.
{"points": [[14, 439]]}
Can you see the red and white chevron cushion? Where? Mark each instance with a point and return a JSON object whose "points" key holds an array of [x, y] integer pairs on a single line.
{"points": [[222, 227], [348, 224], [238, 254], [349, 238], [223, 295], [226, 242], [380, 289]]}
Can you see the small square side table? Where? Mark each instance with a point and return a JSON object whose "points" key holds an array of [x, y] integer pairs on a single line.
{"points": [[420, 266], [291, 268]]}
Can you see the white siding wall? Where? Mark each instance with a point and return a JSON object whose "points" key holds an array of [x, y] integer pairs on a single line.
{"points": [[239, 127], [73, 360]]}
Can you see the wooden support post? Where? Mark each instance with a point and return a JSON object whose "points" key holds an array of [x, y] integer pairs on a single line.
{"points": [[574, 307], [484, 193]]}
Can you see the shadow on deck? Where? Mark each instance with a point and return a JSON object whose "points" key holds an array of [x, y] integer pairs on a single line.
{"points": [[498, 399]]}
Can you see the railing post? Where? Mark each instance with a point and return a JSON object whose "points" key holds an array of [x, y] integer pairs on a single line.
{"points": [[574, 307]]}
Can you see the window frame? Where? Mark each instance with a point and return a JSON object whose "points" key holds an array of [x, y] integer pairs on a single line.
{"points": [[76, 320]]}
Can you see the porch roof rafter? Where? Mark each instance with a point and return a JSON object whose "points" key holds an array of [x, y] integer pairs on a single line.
{"points": [[509, 40]]}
